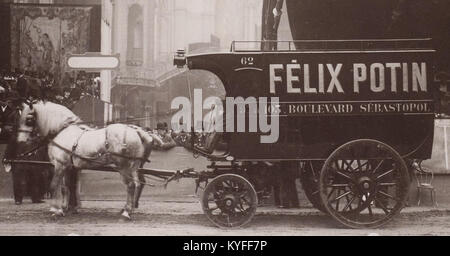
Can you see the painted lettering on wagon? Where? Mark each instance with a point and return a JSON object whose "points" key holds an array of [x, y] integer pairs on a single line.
{"points": [[296, 109], [296, 78]]}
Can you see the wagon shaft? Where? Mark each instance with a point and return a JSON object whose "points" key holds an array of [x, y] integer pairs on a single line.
{"points": [[27, 162], [173, 174]]}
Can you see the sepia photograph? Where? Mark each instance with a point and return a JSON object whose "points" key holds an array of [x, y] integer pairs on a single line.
{"points": [[212, 118]]}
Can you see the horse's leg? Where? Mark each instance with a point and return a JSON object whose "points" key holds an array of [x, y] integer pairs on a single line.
{"points": [[77, 189], [49, 178], [139, 188], [128, 181], [56, 186], [73, 185], [65, 192]]}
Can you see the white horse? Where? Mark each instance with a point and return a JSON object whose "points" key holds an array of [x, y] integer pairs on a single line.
{"points": [[73, 147]]}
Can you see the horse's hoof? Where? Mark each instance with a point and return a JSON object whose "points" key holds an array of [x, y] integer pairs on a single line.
{"points": [[125, 215], [57, 212]]}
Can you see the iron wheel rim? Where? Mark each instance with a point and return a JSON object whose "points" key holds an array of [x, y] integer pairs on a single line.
{"points": [[370, 179], [229, 201]]}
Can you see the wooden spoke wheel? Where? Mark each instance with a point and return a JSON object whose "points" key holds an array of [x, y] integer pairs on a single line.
{"points": [[229, 201], [364, 183], [309, 178]]}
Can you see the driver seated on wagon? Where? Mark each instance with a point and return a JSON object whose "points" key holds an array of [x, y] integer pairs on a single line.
{"points": [[212, 136]]}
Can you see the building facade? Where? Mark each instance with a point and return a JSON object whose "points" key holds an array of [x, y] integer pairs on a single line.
{"points": [[146, 34]]}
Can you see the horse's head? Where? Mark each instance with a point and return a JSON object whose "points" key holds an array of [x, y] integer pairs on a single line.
{"points": [[44, 118], [27, 125]]}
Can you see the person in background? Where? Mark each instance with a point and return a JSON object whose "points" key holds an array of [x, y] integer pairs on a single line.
{"points": [[27, 179], [47, 87], [66, 99], [29, 87], [17, 174], [75, 91], [285, 190], [33, 179], [7, 122], [8, 119], [211, 136], [164, 141]]}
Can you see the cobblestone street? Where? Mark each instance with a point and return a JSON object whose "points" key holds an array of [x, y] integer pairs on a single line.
{"points": [[184, 217]]}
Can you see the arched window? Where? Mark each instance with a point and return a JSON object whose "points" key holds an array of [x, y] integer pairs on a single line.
{"points": [[135, 36]]}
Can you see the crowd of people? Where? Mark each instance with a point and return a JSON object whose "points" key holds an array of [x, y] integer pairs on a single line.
{"points": [[66, 90], [171, 139]]}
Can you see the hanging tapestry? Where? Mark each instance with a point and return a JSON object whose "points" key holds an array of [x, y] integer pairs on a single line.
{"points": [[42, 36]]}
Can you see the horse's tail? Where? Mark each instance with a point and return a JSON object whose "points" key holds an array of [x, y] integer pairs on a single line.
{"points": [[147, 141]]}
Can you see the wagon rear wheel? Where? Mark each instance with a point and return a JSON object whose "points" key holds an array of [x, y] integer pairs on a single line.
{"points": [[364, 183], [309, 178], [229, 201]]}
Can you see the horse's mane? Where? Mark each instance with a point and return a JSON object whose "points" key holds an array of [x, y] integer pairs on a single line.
{"points": [[52, 117]]}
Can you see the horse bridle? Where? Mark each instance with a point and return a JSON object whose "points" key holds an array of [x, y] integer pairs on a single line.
{"points": [[30, 119], [31, 130]]}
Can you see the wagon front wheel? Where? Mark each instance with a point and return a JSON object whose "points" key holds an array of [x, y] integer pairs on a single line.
{"points": [[364, 184], [229, 201]]}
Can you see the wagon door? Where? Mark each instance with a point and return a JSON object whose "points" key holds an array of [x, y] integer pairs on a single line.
{"points": [[248, 83]]}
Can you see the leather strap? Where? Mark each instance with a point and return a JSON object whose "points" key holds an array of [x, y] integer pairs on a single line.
{"points": [[74, 147]]}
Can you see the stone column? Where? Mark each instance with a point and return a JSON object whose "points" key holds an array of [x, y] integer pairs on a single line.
{"points": [[121, 30], [149, 33], [106, 49]]}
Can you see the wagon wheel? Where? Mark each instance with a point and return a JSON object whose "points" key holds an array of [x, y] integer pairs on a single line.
{"points": [[309, 178], [364, 183], [229, 201]]}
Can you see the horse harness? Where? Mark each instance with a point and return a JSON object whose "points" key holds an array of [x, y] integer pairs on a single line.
{"points": [[124, 146], [75, 145], [49, 139], [107, 146]]}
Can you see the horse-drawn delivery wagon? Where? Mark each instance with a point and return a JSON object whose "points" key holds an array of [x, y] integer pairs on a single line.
{"points": [[354, 115]]}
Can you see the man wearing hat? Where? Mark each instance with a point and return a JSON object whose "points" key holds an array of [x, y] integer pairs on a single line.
{"points": [[166, 142]]}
